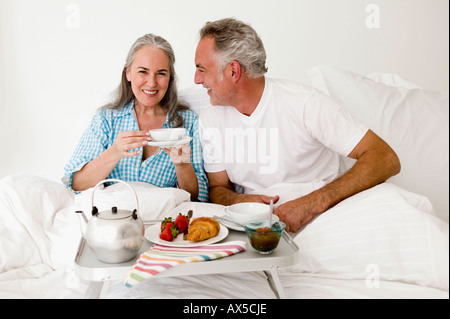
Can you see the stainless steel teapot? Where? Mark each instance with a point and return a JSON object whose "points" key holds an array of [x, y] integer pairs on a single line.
{"points": [[114, 235]]}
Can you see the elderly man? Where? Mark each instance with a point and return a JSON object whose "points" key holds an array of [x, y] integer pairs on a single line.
{"points": [[261, 132]]}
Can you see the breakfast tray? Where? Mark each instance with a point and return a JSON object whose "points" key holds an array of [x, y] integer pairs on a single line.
{"points": [[88, 267]]}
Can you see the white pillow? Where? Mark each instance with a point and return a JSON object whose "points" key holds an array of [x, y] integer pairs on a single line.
{"points": [[393, 80], [153, 202], [383, 233], [414, 122], [196, 96]]}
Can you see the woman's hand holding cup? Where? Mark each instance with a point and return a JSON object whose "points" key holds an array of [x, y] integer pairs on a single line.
{"points": [[130, 140]]}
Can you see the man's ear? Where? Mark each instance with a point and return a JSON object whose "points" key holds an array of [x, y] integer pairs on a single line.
{"points": [[236, 70]]}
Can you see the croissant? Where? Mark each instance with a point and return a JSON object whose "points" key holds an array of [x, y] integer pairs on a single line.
{"points": [[203, 228]]}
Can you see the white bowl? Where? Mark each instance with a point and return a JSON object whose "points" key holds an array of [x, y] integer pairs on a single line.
{"points": [[168, 134], [246, 212]]}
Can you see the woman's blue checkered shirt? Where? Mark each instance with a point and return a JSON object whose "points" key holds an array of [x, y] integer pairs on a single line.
{"points": [[158, 169]]}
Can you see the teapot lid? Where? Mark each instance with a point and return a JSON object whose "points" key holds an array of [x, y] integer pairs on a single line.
{"points": [[114, 213]]}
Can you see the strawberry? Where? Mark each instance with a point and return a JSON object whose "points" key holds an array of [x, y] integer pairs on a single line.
{"points": [[182, 222], [166, 223], [166, 234], [169, 233]]}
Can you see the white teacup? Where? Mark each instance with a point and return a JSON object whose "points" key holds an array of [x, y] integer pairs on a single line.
{"points": [[168, 134], [243, 213]]}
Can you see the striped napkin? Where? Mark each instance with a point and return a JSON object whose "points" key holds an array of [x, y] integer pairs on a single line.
{"points": [[159, 258]]}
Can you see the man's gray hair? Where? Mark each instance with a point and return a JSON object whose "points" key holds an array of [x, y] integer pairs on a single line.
{"points": [[237, 41]]}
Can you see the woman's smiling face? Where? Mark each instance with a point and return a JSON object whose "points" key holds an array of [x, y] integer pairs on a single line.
{"points": [[149, 74]]}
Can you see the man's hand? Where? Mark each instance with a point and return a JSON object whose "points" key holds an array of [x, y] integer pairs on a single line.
{"points": [[294, 214]]}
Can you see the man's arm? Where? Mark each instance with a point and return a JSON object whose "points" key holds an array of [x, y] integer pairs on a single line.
{"points": [[221, 191], [376, 162]]}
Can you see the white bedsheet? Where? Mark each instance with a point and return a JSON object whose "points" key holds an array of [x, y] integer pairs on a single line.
{"points": [[319, 286], [385, 226], [381, 243]]}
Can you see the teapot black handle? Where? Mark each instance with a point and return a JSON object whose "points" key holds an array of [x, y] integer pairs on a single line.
{"points": [[118, 181]]}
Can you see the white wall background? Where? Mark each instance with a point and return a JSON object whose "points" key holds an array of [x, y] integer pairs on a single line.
{"points": [[60, 58]]}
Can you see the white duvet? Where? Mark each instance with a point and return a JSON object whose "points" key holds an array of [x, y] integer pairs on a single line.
{"points": [[382, 243]]}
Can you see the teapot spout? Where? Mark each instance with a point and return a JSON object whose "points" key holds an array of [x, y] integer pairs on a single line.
{"points": [[83, 223]]}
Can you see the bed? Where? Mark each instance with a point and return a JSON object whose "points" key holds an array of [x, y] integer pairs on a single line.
{"points": [[391, 241]]}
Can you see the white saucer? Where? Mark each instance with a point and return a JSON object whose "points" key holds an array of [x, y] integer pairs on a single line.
{"points": [[233, 226], [164, 144]]}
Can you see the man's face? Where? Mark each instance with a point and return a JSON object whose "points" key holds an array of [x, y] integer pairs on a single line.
{"points": [[220, 89]]}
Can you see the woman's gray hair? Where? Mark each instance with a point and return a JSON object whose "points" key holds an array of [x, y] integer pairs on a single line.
{"points": [[237, 41], [124, 93]]}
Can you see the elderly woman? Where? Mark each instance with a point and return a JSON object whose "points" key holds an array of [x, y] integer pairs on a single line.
{"points": [[116, 143]]}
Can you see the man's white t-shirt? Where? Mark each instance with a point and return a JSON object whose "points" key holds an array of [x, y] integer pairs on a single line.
{"points": [[294, 136]]}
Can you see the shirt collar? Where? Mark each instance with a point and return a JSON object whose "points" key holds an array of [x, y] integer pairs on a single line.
{"points": [[129, 108], [125, 110]]}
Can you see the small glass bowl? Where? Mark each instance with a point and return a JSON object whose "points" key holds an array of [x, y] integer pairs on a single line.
{"points": [[264, 239]]}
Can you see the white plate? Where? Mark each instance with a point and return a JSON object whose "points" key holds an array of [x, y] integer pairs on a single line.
{"points": [[171, 143], [152, 234], [239, 228]]}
